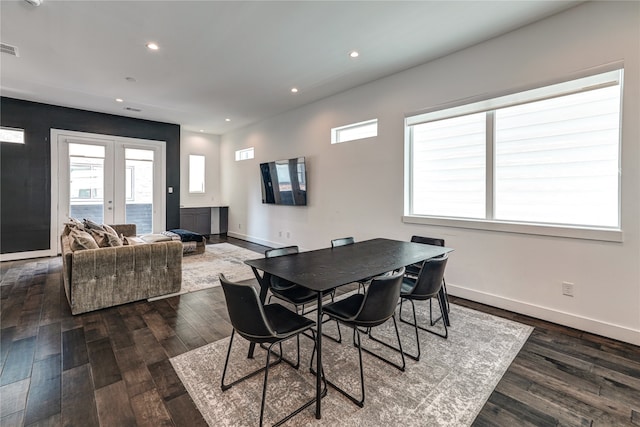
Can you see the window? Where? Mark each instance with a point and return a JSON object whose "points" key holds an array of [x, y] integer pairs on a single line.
{"points": [[196, 173], [244, 154], [354, 131], [12, 135], [549, 156]]}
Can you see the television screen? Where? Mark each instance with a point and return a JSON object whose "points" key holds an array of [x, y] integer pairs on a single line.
{"points": [[284, 182]]}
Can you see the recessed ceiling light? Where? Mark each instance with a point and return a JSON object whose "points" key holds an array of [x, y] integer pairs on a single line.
{"points": [[354, 54], [227, 120], [119, 100], [201, 130], [294, 89], [152, 46]]}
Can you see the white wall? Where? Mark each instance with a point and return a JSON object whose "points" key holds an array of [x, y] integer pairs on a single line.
{"points": [[356, 188], [205, 145]]}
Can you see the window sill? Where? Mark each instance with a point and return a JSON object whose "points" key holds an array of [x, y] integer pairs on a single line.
{"points": [[586, 233]]}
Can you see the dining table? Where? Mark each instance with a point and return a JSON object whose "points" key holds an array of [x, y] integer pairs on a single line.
{"points": [[329, 268]]}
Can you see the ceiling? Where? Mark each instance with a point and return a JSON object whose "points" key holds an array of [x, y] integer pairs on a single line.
{"points": [[235, 60]]}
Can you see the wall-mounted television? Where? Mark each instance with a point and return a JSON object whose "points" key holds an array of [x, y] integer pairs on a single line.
{"points": [[284, 182]]}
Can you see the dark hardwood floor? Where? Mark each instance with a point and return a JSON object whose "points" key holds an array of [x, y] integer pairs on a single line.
{"points": [[111, 367]]}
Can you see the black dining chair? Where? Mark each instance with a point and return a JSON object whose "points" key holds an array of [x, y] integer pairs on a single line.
{"points": [[344, 241], [368, 310], [292, 293], [269, 324], [425, 287], [414, 269]]}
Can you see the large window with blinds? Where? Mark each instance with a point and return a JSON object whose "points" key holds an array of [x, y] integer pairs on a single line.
{"points": [[548, 156]]}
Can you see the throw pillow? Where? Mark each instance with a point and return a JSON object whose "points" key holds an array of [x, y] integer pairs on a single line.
{"points": [[109, 229], [73, 224], [99, 237], [88, 224], [82, 240], [106, 240]]}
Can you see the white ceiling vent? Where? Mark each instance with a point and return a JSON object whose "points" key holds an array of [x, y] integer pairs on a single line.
{"points": [[11, 50], [137, 110]]}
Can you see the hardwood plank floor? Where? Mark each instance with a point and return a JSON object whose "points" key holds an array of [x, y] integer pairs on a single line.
{"points": [[111, 367]]}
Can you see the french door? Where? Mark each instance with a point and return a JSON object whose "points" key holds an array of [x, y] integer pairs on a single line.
{"points": [[109, 180]]}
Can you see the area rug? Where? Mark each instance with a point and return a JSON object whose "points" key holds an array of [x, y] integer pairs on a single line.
{"points": [[447, 387], [202, 271]]}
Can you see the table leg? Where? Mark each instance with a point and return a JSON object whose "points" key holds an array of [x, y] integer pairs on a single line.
{"points": [[264, 281], [443, 301], [319, 360]]}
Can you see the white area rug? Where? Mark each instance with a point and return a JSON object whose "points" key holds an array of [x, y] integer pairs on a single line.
{"points": [[447, 387], [201, 271]]}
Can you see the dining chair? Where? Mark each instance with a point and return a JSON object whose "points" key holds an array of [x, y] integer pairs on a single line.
{"points": [[368, 310], [414, 269], [269, 324], [344, 241], [425, 287], [292, 293]]}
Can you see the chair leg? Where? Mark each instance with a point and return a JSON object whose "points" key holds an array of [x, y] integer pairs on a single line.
{"points": [[416, 326], [398, 349], [226, 362], [224, 386], [264, 384]]}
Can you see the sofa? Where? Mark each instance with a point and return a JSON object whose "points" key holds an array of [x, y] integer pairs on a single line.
{"points": [[109, 276]]}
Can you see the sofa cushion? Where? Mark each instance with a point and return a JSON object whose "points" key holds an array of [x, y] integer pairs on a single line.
{"points": [[82, 240], [133, 240], [152, 238]]}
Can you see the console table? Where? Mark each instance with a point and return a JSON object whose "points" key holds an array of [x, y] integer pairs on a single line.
{"points": [[205, 220]]}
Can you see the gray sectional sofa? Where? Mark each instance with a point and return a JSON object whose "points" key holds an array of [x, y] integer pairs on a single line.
{"points": [[109, 276]]}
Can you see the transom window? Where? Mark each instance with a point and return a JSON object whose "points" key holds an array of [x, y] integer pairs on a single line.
{"points": [[549, 156], [244, 154], [12, 135], [354, 131]]}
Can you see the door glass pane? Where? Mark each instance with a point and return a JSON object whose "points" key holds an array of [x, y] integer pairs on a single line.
{"points": [[139, 189], [86, 183]]}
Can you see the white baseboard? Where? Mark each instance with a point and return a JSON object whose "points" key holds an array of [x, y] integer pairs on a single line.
{"points": [[27, 255], [582, 323]]}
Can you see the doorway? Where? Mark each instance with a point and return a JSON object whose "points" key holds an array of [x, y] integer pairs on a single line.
{"points": [[108, 180]]}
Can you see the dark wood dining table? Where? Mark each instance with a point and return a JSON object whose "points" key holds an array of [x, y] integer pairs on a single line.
{"points": [[324, 269]]}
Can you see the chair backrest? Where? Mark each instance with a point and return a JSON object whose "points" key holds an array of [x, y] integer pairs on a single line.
{"points": [[427, 240], [276, 282], [430, 278], [343, 241], [245, 310], [287, 250], [380, 299]]}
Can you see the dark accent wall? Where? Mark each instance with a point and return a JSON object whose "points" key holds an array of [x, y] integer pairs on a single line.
{"points": [[25, 170]]}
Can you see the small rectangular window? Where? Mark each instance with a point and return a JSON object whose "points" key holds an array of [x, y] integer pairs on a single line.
{"points": [[196, 173], [12, 135], [244, 154], [354, 131]]}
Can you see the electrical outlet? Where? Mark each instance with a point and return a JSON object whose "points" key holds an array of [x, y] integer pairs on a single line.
{"points": [[567, 289], [239, 226], [288, 234], [279, 233]]}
